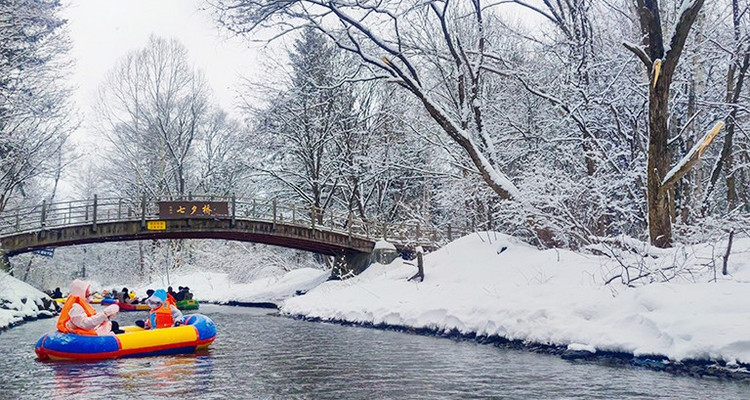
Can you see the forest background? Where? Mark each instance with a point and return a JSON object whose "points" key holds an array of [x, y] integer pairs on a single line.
{"points": [[617, 125]]}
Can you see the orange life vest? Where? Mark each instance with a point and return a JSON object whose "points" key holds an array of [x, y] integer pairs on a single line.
{"points": [[161, 317], [62, 322]]}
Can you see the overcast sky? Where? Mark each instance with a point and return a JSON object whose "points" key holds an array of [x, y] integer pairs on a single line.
{"points": [[103, 31]]}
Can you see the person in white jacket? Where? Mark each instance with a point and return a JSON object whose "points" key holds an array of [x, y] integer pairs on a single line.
{"points": [[78, 316]]}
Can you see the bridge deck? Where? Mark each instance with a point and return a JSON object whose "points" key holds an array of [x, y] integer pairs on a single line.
{"points": [[117, 219]]}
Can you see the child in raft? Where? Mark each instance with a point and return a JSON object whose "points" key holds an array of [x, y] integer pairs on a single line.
{"points": [[162, 314]]}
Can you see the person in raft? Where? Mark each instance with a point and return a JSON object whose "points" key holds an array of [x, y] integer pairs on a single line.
{"points": [[162, 314], [171, 296], [78, 316]]}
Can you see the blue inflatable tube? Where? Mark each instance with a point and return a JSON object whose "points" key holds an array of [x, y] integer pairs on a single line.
{"points": [[196, 333]]}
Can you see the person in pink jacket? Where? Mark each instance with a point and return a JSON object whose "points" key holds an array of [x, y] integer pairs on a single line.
{"points": [[77, 315]]}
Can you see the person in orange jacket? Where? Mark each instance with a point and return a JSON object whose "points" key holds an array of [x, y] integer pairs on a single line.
{"points": [[162, 314], [170, 296], [78, 316]]}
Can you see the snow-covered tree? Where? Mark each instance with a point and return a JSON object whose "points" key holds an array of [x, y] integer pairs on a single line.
{"points": [[36, 115]]}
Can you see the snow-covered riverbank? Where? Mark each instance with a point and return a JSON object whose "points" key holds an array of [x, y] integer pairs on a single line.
{"points": [[554, 297], [21, 302], [493, 287]]}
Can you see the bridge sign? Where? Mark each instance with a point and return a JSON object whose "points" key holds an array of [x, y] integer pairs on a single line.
{"points": [[46, 252], [156, 225], [192, 209]]}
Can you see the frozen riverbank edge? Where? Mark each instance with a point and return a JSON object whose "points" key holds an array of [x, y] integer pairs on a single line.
{"points": [[704, 369], [42, 315], [494, 289]]}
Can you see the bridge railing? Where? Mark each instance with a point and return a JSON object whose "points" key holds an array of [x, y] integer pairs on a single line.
{"points": [[101, 210], [67, 213]]}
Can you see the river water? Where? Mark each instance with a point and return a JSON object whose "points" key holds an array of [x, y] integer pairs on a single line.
{"points": [[262, 356]]}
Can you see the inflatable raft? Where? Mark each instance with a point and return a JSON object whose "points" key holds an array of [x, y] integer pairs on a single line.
{"points": [[94, 300], [196, 333], [187, 304], [133, 307], [126, 306]]}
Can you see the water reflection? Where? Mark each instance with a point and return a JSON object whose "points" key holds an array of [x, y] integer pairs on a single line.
{"points": [[160, 376], [70, 379], [256, 356]]}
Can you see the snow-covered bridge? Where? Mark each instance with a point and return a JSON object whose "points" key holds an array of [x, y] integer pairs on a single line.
{"points": [[205, 217]]}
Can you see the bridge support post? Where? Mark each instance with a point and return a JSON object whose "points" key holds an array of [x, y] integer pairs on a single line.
{"points": [[313, 215], [349, 228], [274, 214], [234, 212], [44, 213], [351, 264], [93, 216], [143, 212], [5, 262]]}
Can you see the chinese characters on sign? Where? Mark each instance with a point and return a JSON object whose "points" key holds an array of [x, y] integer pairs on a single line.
{"points": [[192, 209], [156, 225], [46, 252]]}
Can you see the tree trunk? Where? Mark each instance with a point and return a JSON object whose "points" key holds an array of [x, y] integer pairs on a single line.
{"points": [[659, 201], [660, 66]]}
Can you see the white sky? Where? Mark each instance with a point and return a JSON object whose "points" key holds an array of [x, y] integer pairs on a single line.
{"points": [[103, 31]]}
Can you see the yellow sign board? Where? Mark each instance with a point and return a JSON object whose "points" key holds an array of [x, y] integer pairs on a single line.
{"points": [[156, 225]]}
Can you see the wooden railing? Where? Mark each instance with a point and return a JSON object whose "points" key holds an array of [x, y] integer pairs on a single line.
{"points": [[104, 210]]}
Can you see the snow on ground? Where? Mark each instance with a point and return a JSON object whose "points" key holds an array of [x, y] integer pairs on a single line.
{"points": [[491, 284], [216, 288], [552, 297], [19, 301]]}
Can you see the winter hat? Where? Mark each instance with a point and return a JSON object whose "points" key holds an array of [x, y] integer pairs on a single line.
{"points": [[78, 288], [159, 296]]}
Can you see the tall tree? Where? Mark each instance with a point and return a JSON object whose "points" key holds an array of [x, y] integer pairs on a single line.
{"points": [[221, 154], [739, 61], [302, 122], [660, 62], [166, 138], [35, 107], [152, 108], [384, 35]]}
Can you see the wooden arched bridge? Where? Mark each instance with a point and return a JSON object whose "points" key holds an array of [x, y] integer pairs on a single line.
{"points": [[207, 217]]}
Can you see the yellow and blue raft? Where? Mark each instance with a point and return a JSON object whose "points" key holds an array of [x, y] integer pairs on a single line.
{"points": [[196, 333]]}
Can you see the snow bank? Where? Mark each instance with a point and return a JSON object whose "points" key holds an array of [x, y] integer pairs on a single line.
{"points": [[20, 301], [493, 285], [217, 288]]}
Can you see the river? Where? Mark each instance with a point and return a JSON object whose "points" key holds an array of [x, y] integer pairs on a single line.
{"points": [[261, 356]]}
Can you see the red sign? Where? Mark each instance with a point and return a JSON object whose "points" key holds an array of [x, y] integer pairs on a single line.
{"points": [[192, 209]]}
